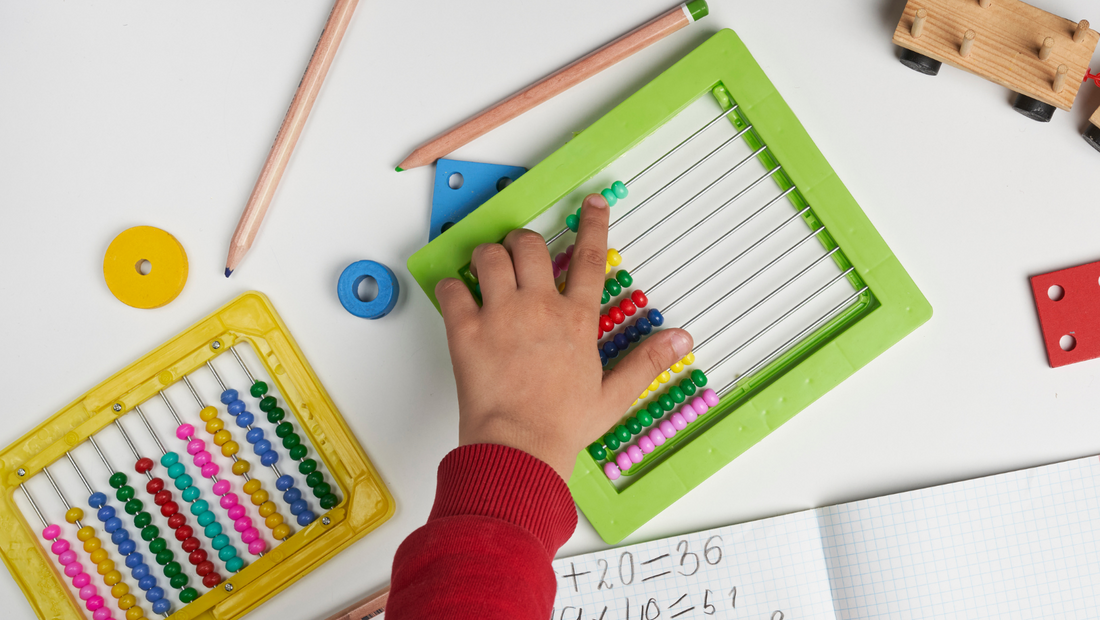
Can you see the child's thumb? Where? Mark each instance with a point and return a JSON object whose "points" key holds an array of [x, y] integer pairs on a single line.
{"points": [[642, 365]]}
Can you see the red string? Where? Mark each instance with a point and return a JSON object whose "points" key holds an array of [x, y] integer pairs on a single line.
{"points": [[1095, 77]]}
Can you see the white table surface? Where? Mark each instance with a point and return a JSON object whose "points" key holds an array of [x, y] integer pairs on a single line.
{"points": [[127, 113]]}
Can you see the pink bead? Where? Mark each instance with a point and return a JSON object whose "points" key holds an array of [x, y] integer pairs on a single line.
{"points": [[210, 470], [688, 413], [657, 437], [86, 592], [710, 398], [242, 524], [557, 271], [229, 500], [257, 547], [59, 547], [699, 405], [611, 471], [221, 487], [236, 512], [250, 535], [51, 532], [67, 558], [635, 454], [202, 458], [73, 568], [195, 446], [569, 251], [81, 579], [95, 603], [646, 444], [184, 431], [102, 614], [623, 461], [667, 429], [679, 422], [561, 261]]}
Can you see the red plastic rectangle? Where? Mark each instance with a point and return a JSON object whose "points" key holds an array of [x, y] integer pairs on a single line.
{"points": [[1068, 302]]}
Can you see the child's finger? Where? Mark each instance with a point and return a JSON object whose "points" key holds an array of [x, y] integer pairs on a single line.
{"points": [[456, 303], [589, 261], [530, 258], [492, 266], [638, 369]]}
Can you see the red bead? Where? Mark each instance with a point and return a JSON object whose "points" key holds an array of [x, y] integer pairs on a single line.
{"points": [[204, 568], [639, 298], [162, 498], [184, 532], [143, 465], [211, 580], [197, 557], [616, 315], [628, 307], [176, 521], [155, 485], [169, 509], [606, 324], [191, 545]]}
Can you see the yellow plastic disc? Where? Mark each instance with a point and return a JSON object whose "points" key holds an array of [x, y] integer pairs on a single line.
{"points": [[126, 258]]}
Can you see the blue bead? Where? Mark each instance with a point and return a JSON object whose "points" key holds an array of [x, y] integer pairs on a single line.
{"points": [[622, 342], [655, 317], [175, 470], [155, 593], [169, 459], [184, 482], [227, 553], [603, 357], [610, 349], [292, 495], [220, 541], [643, 326], [127, 547], [133, 559], [105, 513], [199, 507], [97, 500], [261, 447], [269, 458], [284, 482], [140, 570], [115, 529], [633, 333], [229, 396], [245, 420], [162, 606], [305, 518], [254, 435], [147, 582], [298, 506], [112, 525], [236, 407], [213, 529]]}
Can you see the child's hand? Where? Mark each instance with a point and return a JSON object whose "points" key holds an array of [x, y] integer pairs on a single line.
{"points": [[526, 364]]}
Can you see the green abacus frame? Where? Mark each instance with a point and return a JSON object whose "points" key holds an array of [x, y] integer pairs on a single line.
{"points": [[892, 308]]}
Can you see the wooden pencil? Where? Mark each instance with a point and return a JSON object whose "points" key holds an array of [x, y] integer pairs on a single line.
{"points": [[370, 607], [556, 83], [291, 128]]}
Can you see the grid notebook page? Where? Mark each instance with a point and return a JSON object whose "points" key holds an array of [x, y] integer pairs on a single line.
{"points": [[1022, 544]]}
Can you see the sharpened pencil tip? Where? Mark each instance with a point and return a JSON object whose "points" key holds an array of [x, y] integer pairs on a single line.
{"points": [[399, 169], [228, 272]]}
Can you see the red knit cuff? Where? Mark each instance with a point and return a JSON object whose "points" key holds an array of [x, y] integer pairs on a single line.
{"points": [[496, 481]]}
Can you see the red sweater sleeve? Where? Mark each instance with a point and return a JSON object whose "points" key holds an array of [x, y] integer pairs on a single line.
{"points": [[499, 517]]}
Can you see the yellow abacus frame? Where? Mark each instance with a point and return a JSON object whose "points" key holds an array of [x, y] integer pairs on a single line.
{"points": [[366, 503]]}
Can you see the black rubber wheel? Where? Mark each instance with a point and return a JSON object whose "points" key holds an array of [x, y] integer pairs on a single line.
{"points": [[1034, 109], [919, 62], [1092, 136]]}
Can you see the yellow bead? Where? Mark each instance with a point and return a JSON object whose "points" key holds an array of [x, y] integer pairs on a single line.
{"points": [[656, 385], [252, 486], [134, 613], [208, 413], [112, 578], [664, 377], [267, 509], [644, 394], [677, 367], [607, 268], [120, 590], [689, 360], [561, 287], [99, 555], [127, 602], [280, 531], [241, 467], [105, 567], [259, 497], [85, 533], [221, 437], [92, 544], [230, 448], [74, 515], [613, 257], [273, 521], [215, 425]]}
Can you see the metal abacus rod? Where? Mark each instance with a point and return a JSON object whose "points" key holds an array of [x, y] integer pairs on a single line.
{"points": [[158, 546], [252, 486]]}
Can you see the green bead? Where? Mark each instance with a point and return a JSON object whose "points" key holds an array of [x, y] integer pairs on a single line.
{"points": [[291, 441], [117, 480], [611, 441], [622, 433], [258, 389], [206, 518], [275, 415], [687, 386], [620, 189], [227, 553], [169, 459], [234, 565], [322, 490], [188, 595], [172, 569], [666, 402], [610, 197], [298, 452], [677, 394], [219, 541], [654, 409], [284, 429], [178, 581], [134, 506], [125, 494], [597, 452], [315, 479], [191, 494], [268, 403], [307, 466], [572, 222], [158, 545], [164, 557], [624, 278], [150, 532], [329, 501], [212, 529], [142, 519], [606, 297], [698, 378], [645, 418], [634, 426], [176, 470], [184, 482], [612, 287]]}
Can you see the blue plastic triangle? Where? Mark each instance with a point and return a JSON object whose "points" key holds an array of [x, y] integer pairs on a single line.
{"points": [[462, 186]]}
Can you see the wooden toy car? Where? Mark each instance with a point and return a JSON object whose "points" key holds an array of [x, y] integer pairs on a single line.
{"points": [[1092, 134], [1040, 56]]}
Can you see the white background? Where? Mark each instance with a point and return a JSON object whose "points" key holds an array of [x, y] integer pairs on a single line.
{"points": [[128, 113]]}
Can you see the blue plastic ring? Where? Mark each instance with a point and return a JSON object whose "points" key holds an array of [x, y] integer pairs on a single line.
{"points": [[388, 289]]}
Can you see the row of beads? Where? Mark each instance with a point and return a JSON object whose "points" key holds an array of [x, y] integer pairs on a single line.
{"points": [[201, 509], [646, 417], [73, 569], [561, 261], [664, 431], [614, 286], [688, 360], [120, 536], [641, 327], [617, 315], [611, 194]]}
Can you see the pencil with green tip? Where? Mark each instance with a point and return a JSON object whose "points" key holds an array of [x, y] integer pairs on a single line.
{"points": [[557, 83]]}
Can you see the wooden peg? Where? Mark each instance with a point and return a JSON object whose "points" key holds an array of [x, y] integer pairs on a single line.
{"points": [[984, 3], [1047, 49], [1060, 78], [967, 44], [918, 23], [1082, 29]]}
